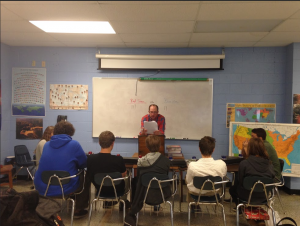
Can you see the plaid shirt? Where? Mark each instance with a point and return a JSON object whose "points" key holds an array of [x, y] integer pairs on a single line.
{"points": [[161, 123]]}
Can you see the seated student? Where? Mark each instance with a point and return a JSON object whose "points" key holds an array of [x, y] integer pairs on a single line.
{"points": [[48, 133], [261, 133], [205, 166], [257, 163], [63, 153], [104, 162], [153, 162]]}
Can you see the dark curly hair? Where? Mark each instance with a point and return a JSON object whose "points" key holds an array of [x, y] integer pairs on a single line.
{"points": [[64, 127]]}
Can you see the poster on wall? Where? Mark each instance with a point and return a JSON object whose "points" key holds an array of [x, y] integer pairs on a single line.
{"points": [[28, 91], [296, 108], [68, 97], [29, 128], [250, 112]]}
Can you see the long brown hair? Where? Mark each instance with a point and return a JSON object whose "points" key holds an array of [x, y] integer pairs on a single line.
{"points": [[256, 147], [47, 133]]}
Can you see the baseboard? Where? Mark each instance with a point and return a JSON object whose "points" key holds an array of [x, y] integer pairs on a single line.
{"points": [[290, 191]]}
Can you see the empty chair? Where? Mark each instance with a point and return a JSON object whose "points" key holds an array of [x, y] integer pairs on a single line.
{"points": [[108, 183], [208, 183], [60, 178], [257, 185], [159, 190], [23, 159]]}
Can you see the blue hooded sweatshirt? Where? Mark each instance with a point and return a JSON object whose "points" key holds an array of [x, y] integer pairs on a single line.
{"points": [[60, 153]]}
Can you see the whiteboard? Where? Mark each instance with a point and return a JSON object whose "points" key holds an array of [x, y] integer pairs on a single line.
{"points": [[120, 103]]}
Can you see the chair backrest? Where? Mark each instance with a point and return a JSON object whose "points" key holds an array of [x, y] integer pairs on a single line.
{"points": [[147, 177], [21, 154], [249, 182], [205, 182], [49, 177], [281, 164], [158, 187], [98, 178]]}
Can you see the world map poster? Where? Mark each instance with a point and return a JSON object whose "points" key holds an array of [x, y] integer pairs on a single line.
{"points": [[247, 112], [283, 137]]}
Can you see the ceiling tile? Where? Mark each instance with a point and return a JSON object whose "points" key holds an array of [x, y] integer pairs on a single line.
{"points": [[158, 44], [228, 37], [296, 15], [248, 10], [14, 36], [282, 37], [32, 43], [150, 12], [94, 44], [289, 25], [19, 26], [149, 2], [271, 44], [236, 26], [90, 12], [110, 38], [125, 27], [221, 44], [151, 38], [8, 15]]}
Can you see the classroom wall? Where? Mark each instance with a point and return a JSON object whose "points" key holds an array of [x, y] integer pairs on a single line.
{"points": [[250, 75]]}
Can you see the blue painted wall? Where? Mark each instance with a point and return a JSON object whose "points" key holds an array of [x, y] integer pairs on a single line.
{"points": [[250, 75]]}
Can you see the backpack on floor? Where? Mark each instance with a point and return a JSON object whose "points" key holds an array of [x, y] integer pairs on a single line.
{"points": [[28, 209]]}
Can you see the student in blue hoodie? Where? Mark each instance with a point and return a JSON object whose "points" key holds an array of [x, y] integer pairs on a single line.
{"points": [[63, 153]]}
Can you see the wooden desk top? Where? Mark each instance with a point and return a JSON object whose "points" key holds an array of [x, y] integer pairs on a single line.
{"points": [[6, 168]]}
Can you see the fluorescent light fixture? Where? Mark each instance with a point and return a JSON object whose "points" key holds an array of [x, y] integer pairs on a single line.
{"points": [[91, 27]]}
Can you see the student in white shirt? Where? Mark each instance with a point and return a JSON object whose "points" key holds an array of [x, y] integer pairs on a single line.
{"points": [[205, 166]]}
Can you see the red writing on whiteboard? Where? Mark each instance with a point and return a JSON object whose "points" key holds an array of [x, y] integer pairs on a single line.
{"points": [[136, 101]]}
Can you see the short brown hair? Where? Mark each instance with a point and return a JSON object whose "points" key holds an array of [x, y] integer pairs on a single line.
{"points": [[106, 139], [64, 127], [153, 143], [47, 133], [154, 106], [207, 145], [256, 147]]}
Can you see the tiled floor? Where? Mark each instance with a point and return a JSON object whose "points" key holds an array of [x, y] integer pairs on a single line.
{"points": [[107, 217]]}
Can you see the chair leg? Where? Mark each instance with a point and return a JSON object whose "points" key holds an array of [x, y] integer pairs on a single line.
{"points": [[90, 211], [237, 213], [137, 219], [171, 211], [273, 215], [223, 211], [276, 189], [124, 207], [189, 214], [72, 211]]}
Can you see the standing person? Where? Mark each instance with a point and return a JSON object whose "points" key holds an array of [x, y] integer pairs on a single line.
{"points": [[154, 116], [261, 134], [105, 162], [205, 166], [153, 162], [48, 133], [63, 153]]}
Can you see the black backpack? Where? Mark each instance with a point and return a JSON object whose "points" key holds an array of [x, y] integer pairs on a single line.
{"points": [[28, 209]]}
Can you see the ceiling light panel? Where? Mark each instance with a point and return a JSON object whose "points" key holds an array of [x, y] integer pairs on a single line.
{"points": [[87, 27]]}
